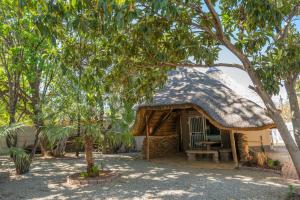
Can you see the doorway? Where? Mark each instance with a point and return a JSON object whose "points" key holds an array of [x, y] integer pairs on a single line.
{"points": [[197, 131]]}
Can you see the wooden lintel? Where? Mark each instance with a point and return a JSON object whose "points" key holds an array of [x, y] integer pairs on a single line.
{"points": [[161, 121], [233, 148]]}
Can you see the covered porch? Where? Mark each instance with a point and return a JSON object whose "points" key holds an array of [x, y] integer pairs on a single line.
{"points": [[186, 135]]}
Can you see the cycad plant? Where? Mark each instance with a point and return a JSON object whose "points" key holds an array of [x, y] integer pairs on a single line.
{"points": [[20, 157], [57, 136]]}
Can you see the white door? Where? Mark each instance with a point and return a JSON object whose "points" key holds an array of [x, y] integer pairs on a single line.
{"points": [[197, 128]]}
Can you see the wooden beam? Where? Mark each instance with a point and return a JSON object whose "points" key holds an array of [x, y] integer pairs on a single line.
{"points": [[233, 148], [149, 119], [161, 121], [147, 137]]}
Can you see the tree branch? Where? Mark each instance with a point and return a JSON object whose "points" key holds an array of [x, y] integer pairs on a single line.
{"points": [[230, 65], [290, 17], [216, 20]]}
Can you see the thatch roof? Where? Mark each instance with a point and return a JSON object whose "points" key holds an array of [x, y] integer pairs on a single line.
{"points": [[189, 88], [234, 85]]}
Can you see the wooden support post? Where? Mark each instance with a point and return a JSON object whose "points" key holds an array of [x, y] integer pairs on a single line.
{"points": [[147, 137], [149, 119], [233, 148]]}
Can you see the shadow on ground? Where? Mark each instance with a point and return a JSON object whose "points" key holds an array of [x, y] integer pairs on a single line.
{"points": [[141, 180]]}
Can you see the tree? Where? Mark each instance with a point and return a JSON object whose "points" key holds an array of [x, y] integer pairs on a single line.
{"points": [[11, 59], [26, 56], [261, 34]]}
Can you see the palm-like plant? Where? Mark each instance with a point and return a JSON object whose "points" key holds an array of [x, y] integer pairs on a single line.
{"points": [[57, 136], [20, 157]]}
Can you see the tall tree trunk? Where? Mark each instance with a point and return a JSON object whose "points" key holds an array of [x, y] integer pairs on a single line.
{"points": [[273, 112], [36, 107], [13, 90], [294, 106], [45, 145], [12, 139], [289, 141], [77, 146], [88, 144], [36, 141]]}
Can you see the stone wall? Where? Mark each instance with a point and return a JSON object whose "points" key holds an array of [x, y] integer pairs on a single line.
{"points": [[160, 146]]}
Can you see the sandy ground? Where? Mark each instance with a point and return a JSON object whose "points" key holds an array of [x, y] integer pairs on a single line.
{"points": [[141, 180], [280, 153]]}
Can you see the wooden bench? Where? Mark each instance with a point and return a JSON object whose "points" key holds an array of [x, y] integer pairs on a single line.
{"points": [[192, 154]]}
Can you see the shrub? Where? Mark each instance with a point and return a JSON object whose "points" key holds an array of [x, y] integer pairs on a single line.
{"points": [[84, 174], [277, 163], [21, 159], [270, 162]]}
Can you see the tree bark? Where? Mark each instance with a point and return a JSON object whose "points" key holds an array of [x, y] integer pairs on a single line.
{"points": [[288, 141], [36, 107], [88, 144], [13, 97], [78, 135], [294, 106]]}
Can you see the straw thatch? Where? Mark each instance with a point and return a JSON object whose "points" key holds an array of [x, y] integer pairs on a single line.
{"points": [[189, 88]]}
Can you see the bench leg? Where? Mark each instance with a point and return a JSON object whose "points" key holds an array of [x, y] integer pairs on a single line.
{"points": [[216, 158], [191, 157]]}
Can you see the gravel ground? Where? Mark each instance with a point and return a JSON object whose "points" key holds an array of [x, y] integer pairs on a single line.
{"points": [[141, 180]]}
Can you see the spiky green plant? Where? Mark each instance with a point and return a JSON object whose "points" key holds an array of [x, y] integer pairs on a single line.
{"points": [[21, 159], [57, 136], [11, 132], [19, 156]]}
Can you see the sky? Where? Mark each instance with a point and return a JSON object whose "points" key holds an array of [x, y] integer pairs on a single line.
{"points": [[242, 77]]}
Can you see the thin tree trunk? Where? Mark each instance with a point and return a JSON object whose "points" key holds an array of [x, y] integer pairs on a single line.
{"points": [[88, 144], [78, 135], [36, 141], [36, 107], [13, 89]]}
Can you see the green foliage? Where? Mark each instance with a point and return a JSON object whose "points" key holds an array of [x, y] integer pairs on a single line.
{"points": [[85, 64], [84, 174], [56, 133], [276, 163], [183, 32], [94, 172], [16, 128], [11, 132], [270, 163], [290, 191], [21, 160]]}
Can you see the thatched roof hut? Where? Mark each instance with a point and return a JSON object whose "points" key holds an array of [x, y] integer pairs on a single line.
{"points": [[194, 108], [189, 88]]}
